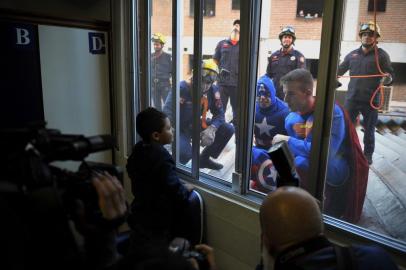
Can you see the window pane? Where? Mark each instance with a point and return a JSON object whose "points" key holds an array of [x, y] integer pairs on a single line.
{"points": [[219, 92], [161, 47], [372, 197], [287, 42]]}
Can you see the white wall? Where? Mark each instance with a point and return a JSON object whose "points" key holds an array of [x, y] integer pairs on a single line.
{"points": [[75, 84]]}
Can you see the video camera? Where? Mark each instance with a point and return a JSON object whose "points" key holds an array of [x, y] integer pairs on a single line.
{"points": [[181, 246], [39, 201], [283, 161]]}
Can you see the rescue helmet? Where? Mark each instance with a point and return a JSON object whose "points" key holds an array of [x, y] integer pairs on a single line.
{"points": [[210, 70], [158, 37], [369, 27], [288, 30]]}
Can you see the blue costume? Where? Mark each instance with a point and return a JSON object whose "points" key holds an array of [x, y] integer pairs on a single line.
{"points": [[299, 128], [224, 130], [271, 120], [280, 63], [263, 173]]}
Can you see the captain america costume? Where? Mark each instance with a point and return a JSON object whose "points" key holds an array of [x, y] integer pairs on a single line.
{"points": [[270, 120], [263, 173]]}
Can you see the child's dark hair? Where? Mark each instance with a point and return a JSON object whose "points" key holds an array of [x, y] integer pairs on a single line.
{"points": [[149, 121]]}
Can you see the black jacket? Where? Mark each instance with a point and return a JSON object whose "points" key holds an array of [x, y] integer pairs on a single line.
{"points": [[158, 193]]}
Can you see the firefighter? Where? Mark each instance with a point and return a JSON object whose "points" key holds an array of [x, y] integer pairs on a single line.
{"points": [[360, 90], [226, 56], [161, 70], [215, 131], [284, 60]]}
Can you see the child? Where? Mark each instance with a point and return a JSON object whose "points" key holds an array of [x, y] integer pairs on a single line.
{"points": [[159, 196]]}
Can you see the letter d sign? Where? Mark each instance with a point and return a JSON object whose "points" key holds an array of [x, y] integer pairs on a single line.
{"points": [[97, 43]]}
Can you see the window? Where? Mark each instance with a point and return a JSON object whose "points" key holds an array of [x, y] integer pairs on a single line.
{"points": [[209, 8], [251, 173], [380, 5], [235, 5], [309, 9]]}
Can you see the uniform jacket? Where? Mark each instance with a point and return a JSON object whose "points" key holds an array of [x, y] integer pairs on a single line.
{"points": [[227, 56], [280, 63], [161, 67], [186, 107], [361, 89]]}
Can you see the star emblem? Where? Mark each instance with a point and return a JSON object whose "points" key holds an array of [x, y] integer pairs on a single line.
{"points": [[264, 128]]}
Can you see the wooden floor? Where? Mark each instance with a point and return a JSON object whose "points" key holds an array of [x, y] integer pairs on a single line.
{"points": [[384, 209]]}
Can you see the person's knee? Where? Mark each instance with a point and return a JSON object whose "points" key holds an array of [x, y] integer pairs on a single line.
{"points": [[226, 131]]}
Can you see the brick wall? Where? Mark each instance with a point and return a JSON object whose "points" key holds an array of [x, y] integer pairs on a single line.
{"points": [[284, 13], [392, 21]]}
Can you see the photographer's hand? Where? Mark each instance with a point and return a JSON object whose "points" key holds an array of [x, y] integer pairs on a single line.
{"points": [[111, 196], [209, 253]]}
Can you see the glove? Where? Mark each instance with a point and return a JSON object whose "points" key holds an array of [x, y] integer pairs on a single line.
{"points": [[386, 80], [207, 136], [280, 138]]}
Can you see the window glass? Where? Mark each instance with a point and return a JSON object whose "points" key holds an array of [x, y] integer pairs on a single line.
{"points": [[287, 42], [219, 93], [366, 170], [161, 48]]}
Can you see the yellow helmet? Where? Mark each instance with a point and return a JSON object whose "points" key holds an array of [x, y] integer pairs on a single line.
{"points": [[370, 27], [210, 65], [158, 37]]}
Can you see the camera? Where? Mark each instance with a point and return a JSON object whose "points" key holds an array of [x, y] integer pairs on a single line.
{"points": [[181, 246], [39, 202], [283, 161]]}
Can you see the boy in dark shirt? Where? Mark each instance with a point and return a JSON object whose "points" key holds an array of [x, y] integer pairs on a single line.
{"points": [[159, 197]]}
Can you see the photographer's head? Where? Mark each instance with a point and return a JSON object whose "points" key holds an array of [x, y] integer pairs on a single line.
{"points": [[154, 126], [288, 216]]}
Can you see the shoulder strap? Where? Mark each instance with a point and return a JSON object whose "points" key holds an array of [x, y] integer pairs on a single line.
{"points": [[345, 258]]}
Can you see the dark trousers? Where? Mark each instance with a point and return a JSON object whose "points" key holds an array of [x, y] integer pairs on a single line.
{"points": [[223, 135], [159, 93], [370, 116]]}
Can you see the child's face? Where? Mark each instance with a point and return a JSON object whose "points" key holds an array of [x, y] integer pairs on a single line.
{"points": [[166, 135]]}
